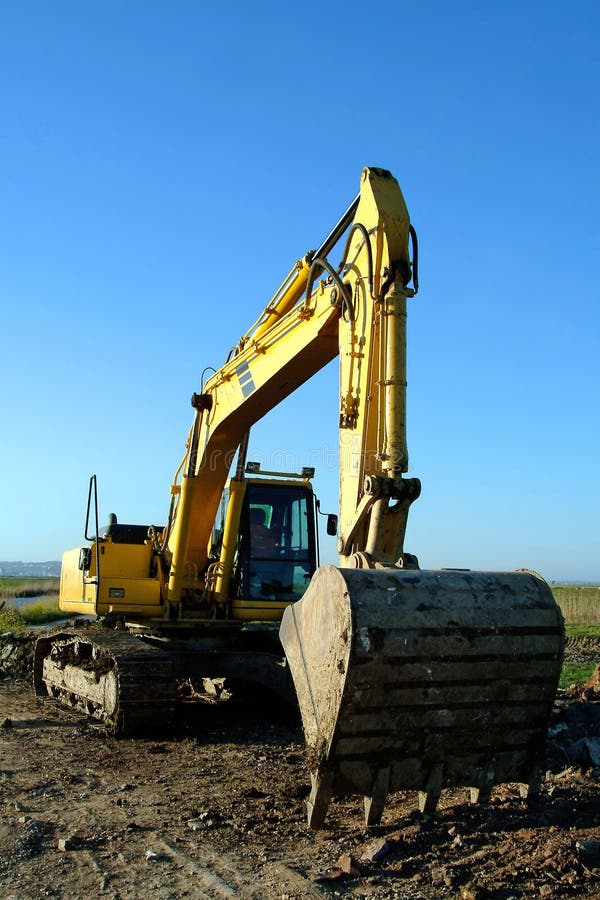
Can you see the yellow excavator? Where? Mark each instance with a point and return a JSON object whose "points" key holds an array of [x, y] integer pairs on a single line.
{"points": [[406, 679]]}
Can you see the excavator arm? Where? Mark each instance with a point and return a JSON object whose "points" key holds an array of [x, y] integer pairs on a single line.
{"points": [[357, 311]]}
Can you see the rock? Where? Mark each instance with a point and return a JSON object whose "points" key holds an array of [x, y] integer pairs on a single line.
{"points": [[16, 653], [571, 772], [348, 865], [558, 731], [472, 892], [151, 856], [68, 843], [376, 850], [212, 686], [585, 752], [199, 824], [438, 876], [546, 890], [593, 748], [588, 852], [333, 875]]}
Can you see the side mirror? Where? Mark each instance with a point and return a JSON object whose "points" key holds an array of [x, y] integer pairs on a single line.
{"points": [[85, 558], [332, 523]]}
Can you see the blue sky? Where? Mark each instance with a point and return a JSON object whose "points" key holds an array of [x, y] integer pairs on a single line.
{"points": [[163, 164]]}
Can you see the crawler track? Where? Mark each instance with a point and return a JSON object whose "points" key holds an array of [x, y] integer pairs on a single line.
{"points": [[112, 676]]}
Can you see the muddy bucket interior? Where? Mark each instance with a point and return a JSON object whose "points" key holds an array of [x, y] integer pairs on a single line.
{"points": [[422, 680]]}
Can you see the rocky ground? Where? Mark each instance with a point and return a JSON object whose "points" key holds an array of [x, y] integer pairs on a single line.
{"points": [[217, 810]]}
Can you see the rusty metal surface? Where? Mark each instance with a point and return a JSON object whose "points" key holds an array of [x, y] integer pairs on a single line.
{"points": [[410, 679]]}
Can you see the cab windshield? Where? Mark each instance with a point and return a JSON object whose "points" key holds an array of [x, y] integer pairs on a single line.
{"points": [[279, 540]]}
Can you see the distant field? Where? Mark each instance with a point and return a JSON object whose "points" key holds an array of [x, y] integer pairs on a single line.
{"points": [[579, 603], [27, 587]]}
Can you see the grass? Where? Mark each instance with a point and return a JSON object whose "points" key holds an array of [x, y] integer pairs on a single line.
{"points": [[27, 587], [41, 611], [11, 620], [578, 672], [582, 630], [579, 602], [38, 613], [575, 673]]}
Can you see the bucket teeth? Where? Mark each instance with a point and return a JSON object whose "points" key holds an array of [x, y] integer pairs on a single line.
{"points": [[320, 797], [429, 798], [480, 795], [375, 802]]}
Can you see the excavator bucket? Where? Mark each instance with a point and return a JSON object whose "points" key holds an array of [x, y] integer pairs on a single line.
{"points": [[422, 680]]}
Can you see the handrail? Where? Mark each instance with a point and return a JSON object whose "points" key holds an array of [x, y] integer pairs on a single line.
{"points": [[95, 537]]}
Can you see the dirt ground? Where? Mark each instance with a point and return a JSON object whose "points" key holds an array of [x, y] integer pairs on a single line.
{"points": [[217, 810]]}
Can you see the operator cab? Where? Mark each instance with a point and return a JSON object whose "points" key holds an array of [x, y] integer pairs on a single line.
{"points": [[277, 541], [277, 549]]}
